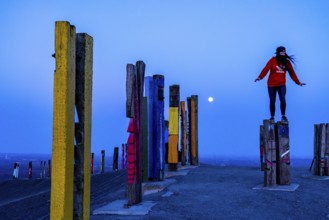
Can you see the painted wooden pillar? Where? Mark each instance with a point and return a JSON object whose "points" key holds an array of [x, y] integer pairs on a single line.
{"points": [[155, 94], [134, 104], [192, 103], [283, 153], [158, 125], [270, 153], [173, 127], [149, 93], [166, 139], [183, 133], [61, 206]]}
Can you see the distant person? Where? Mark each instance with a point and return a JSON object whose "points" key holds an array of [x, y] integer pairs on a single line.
{"points": [[276, 83]]}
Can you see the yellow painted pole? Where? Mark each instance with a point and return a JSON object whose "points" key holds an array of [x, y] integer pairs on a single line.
{"points": [[173, 135], [61, 206]]}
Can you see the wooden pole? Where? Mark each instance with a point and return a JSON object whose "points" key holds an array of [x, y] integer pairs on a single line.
{"points": [[183, 133], [92, 163], [193, 129], [145, 140], [326, 152], [116, 159], [173, 127], [30, 170], [270, 153], [102, 161], [61, 206], [135, 101], [83, 98], [158, 126], [283, 153], [261, 148], [49, 168], [156, 148]]}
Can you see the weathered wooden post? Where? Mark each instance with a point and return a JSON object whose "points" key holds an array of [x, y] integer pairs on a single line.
{"points": [[30, 170], [92, 163], [102, 161], [183, 133], [70, 192], [155, 95], [61, 206], [134, 104], [192, 104], [321, 150], [116, 159], [42, 169], [283, 153], [49, 168], [123, 156], [83, 99], [261, 148], [145, 141], [173, 127], [270, 153]]}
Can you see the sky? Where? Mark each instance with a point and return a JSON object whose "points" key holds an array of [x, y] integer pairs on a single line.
{"points": [[210, 48]]}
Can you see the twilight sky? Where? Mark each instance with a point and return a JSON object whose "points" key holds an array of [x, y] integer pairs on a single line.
{"points": [[210, 48]]}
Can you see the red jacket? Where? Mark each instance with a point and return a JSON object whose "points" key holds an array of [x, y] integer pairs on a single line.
{"points": [[277, 75]]}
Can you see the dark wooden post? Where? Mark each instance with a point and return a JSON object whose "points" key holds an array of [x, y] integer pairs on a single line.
{"points": [[183, 133], [30, 170], [115, 158], [145, 141], [192, 103], [83, 99], [270, 153], [102, 161], [173, 127], [283, 154], [261, 148], [92, 163], [326, 152], [41, 169], [135, 88], [123, 156], [321, 150], [49, 167]]}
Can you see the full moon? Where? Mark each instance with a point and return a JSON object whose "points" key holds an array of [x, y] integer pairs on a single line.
{"points": [[210, 99]]}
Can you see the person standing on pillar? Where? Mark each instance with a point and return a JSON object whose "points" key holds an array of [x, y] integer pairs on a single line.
{"points": [[278, 66]]}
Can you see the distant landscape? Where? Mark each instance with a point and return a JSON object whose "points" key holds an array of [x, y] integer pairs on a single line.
{"points": [[7, 163]]}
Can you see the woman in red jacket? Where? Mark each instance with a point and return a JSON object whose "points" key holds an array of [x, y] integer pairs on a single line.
{"points": [[276, 83]]}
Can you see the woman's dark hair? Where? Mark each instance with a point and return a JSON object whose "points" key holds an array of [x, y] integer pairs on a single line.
{"points": [[282, 60]]}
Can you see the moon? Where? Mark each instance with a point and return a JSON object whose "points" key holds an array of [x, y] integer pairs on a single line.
{"points": [[210, 99]]}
